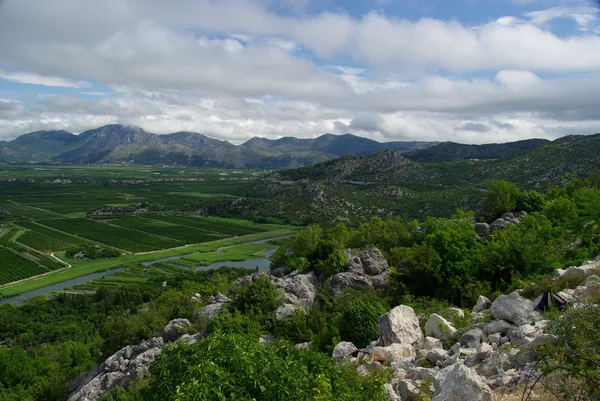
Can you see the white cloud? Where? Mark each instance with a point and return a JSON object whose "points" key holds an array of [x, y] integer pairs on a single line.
{"points": [[584, 16], [237, 68], [35, 79]]}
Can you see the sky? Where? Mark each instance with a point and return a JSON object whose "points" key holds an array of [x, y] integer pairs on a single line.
{"points": [[470, 71]]}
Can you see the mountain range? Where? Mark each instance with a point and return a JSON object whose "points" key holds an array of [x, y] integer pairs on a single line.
{"points": [[118, 144], [352, 188]]}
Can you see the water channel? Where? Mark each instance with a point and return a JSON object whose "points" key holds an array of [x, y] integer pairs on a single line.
{"points": [[262, 264]]}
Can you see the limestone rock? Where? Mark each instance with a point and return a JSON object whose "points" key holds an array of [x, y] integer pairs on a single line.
{"points": [[175, 329], [430, 343], [284, 312], [216, 303], [498, 326], [482, 304], [438, 327], [461, 383], [119, 369], [298, 288], [587, 288], [212, 310], [407, 390], [482, 229], [341, 281], [494, 339], [400, 325], [394, 352], [342, 351], [471, 338], [437, 355], [391, 393], [515, 309]]}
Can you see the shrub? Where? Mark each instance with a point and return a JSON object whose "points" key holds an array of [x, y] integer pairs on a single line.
{"points": [[261, 296], [359, 317], [574, 358], [236, 367], [227, 322]]}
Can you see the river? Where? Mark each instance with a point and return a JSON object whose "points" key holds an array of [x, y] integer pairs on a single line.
{"points": [[20, 299], [263, 264]]}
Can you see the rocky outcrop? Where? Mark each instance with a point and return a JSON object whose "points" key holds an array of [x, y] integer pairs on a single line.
{"points": [[586, 269], [585, 290], [505, 220], [515, 309], [216, 303], [438, 327], [493, 354], [343, 351], [461, 383], [344, 280], [299, 289], [483, 303], [365, 268], [401, 326], [175, 329], [127, 364], [394, 352]]}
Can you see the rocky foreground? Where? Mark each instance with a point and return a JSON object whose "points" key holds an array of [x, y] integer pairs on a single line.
{"points": [[493, 356]]}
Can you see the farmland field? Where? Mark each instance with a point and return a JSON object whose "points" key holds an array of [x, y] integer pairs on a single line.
{"points": [[57, 235], [222, 226], [185, 234], [118, 237], [146, 213]]}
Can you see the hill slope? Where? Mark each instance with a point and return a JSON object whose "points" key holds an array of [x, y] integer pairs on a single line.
{"points": [[388, 183], [128, 144], [452, 151]]}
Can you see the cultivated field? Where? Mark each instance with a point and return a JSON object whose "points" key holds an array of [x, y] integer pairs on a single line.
{"points": [[144, 213]]}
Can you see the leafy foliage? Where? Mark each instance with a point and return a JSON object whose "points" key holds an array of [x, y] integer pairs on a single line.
{"points": [[359, 317], [236, 367], [573, 359]]}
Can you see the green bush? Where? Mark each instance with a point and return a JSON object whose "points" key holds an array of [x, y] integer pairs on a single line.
{"points": [[261, 297], [359, 317], [573, 360], [234, 322], [236, 367]]}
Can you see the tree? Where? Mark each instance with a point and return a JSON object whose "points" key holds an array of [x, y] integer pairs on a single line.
{"points": [[502, 197], [306, 240], [560, 210], [339, 235], [531, 201], [359, 317]]}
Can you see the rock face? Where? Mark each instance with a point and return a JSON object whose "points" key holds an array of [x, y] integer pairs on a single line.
{"points": [[587, 288], [394, 352], [461, 383], [483, 303], [515, 309], [299, 289], [471, 338], [284, 312], [341, 281], [126, 364], [438, 327], [401, 326], [175, 329], [216, 303], [365, 267], [343, 351], [584, 270]]}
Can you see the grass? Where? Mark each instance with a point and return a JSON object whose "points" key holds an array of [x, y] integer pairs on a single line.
{"points": [[238, 253], [82, 268]]}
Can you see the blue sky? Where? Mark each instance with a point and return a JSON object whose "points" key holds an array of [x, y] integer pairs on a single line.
{"points": [[470, 71]]}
